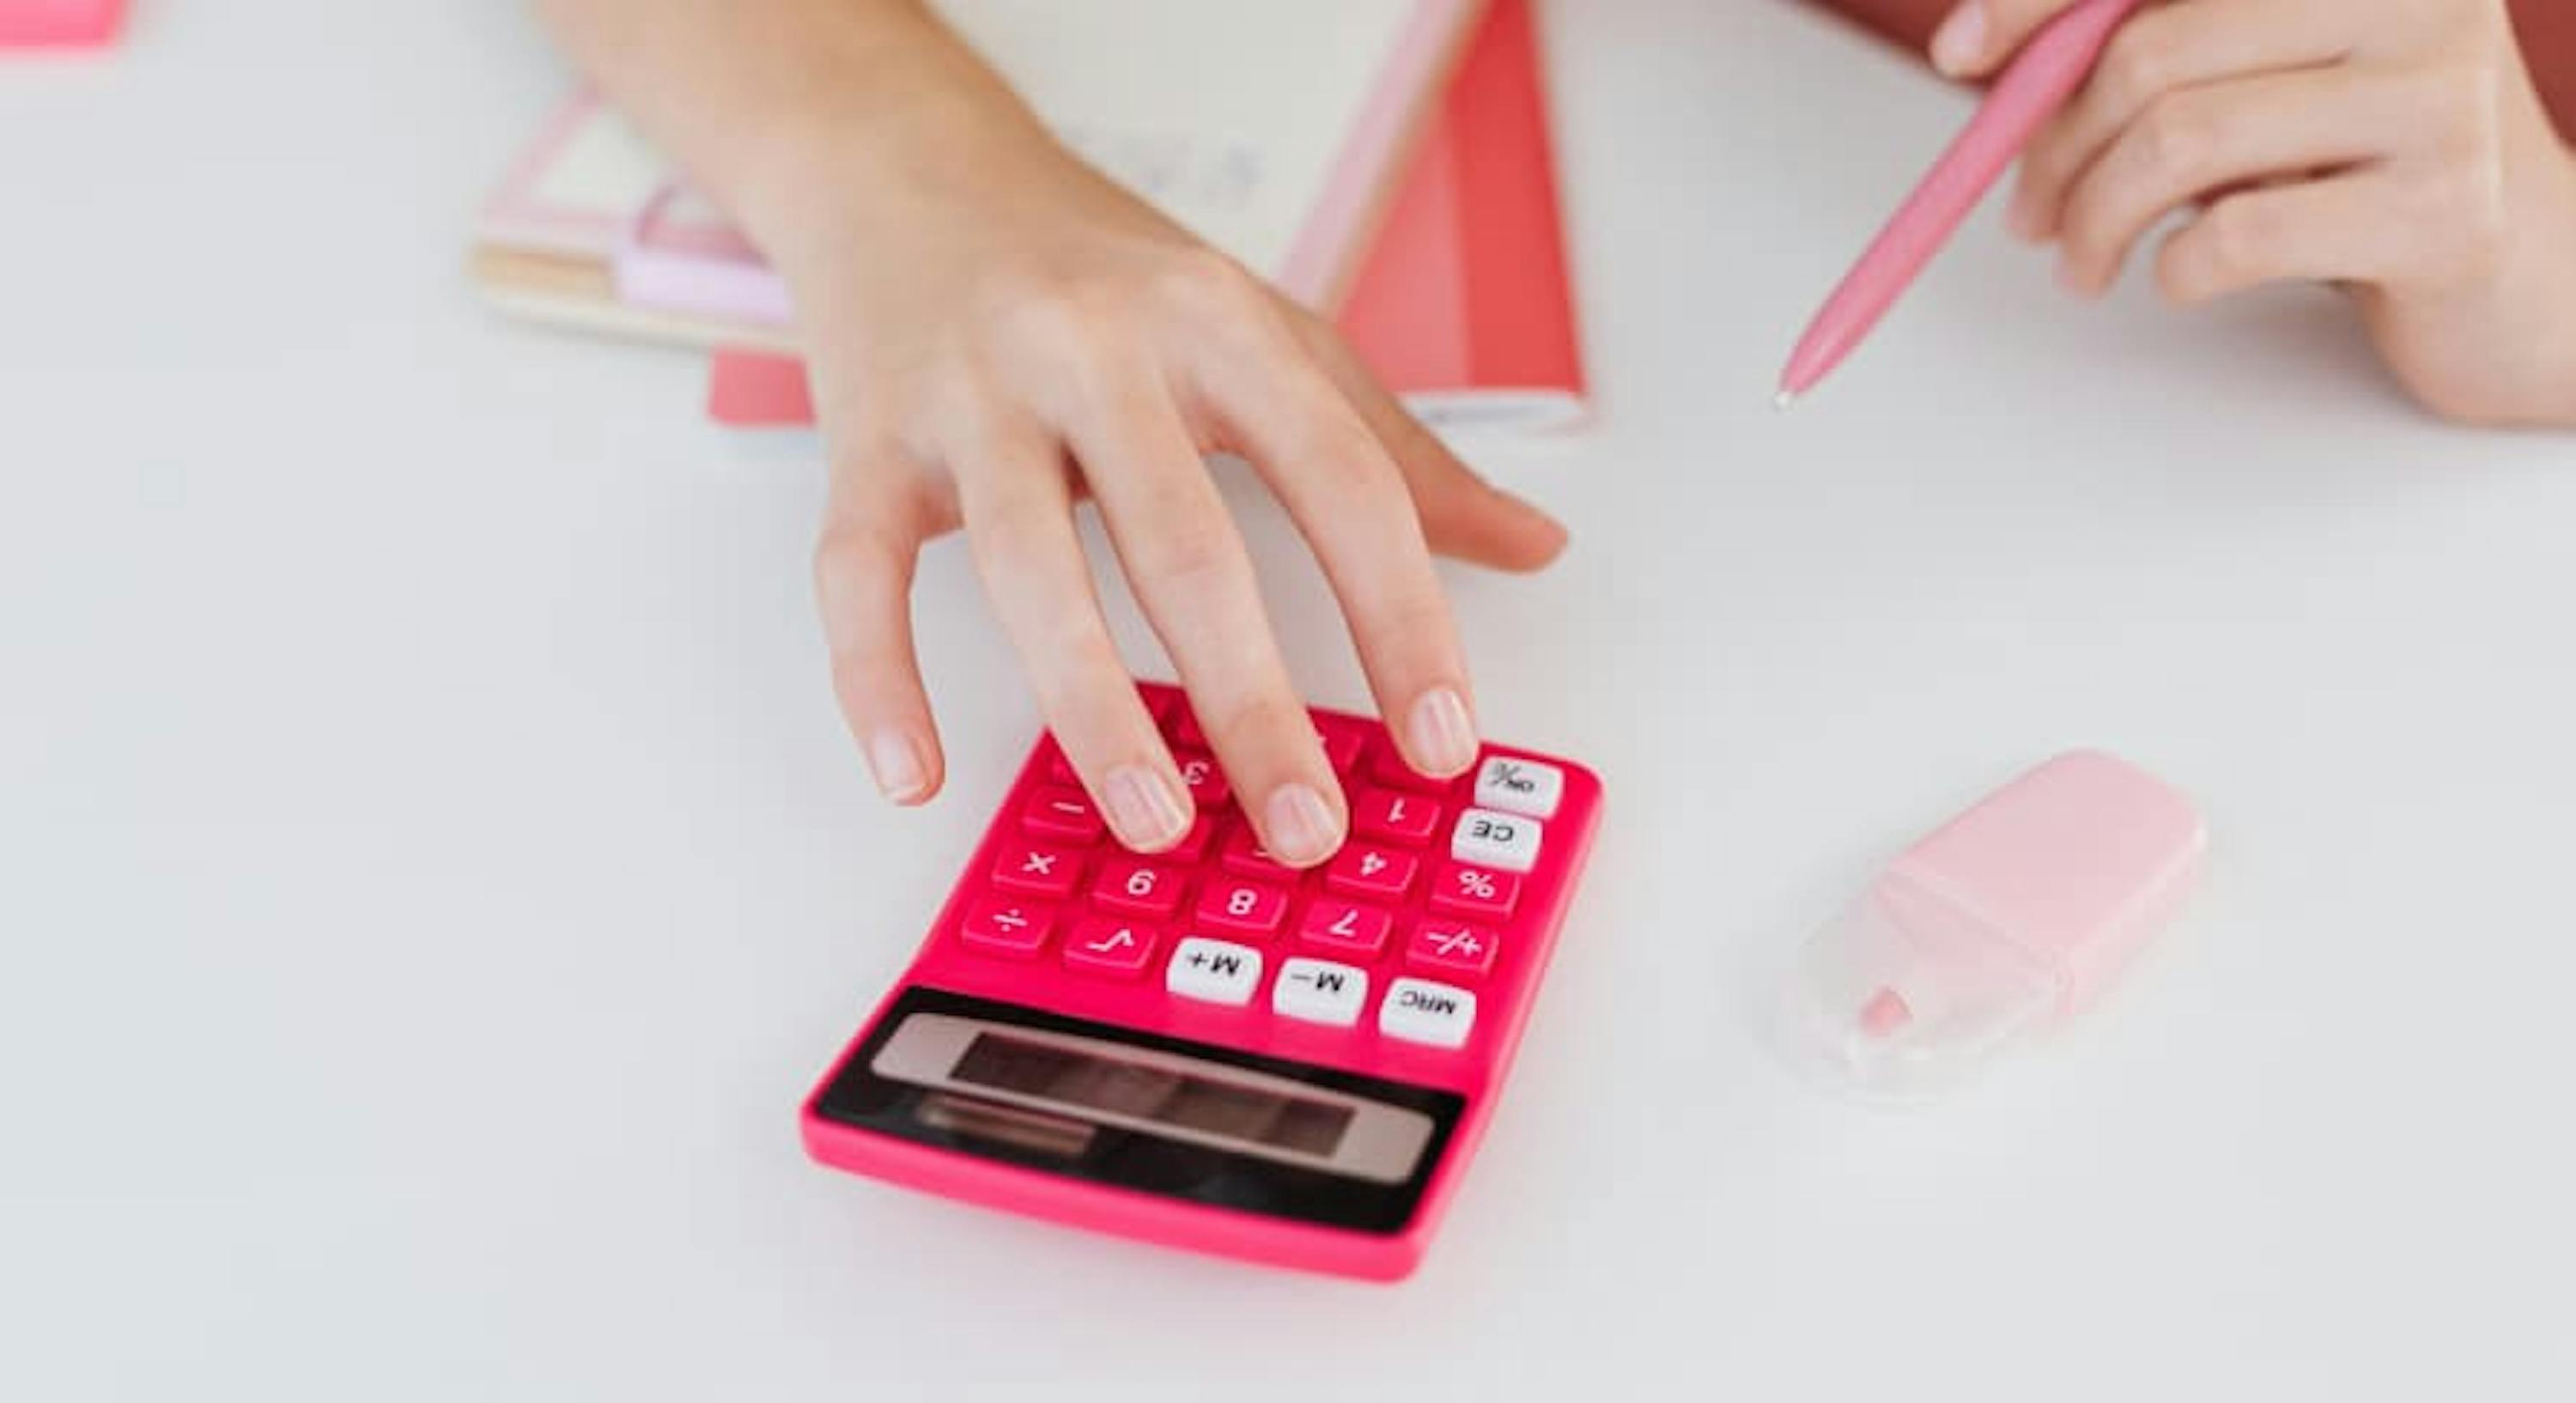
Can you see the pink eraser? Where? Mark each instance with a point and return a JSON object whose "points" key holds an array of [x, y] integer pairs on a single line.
{"points": [[67, 24], [2018, 913]]}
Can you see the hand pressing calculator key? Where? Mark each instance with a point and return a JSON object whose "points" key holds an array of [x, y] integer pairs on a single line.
{"points": [[1206, 1049]]}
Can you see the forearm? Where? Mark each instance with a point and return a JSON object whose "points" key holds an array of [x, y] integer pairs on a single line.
{"points": [[777, 107]]}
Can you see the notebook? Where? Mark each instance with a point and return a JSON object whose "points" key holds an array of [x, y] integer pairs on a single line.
{"points": [[1463, 303]]}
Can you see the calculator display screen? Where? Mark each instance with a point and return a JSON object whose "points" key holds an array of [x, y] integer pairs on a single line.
{"points": [[1156, 1094], [1139, 1109]]}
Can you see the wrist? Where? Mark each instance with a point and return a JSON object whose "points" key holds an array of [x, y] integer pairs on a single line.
{"points": [[908, 124]]}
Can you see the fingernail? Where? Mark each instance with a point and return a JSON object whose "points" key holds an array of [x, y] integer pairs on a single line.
{"points": [[1300, 829], [1961, 41], [1441, 737], [896, 763], [1144, 808]]}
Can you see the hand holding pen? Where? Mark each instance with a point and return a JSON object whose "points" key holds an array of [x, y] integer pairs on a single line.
{"points": [[2398, 149]]}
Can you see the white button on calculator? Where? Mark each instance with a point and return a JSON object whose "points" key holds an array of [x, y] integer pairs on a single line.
{"points": [[1320, 991], [1420, 1011], [1214, 971], [1517, 786], [1506, 842]]}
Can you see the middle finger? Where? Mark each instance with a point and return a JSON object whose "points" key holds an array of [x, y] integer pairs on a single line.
{"points": [[1182, 553], [2160, 51]]}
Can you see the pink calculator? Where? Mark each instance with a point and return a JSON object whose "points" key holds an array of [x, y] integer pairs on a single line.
{"points": [[1205, 1049]]}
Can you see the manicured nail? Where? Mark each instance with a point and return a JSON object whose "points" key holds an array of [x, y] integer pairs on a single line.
{"points": [[1299, 827], [1145, 809], [896, 762], [1442, 739], [1960, 43]]}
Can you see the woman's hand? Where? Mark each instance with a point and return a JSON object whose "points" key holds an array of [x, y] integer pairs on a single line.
{"points": [[997, 330], [2393, 145]]}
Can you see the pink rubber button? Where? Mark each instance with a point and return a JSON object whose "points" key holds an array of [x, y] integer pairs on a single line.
{"points": [[1395, 816], [1244, 857], [1476, 892], [1388, 767], [1194, 844], [1343, 741], [1063, 814], [1114, 949], [1135, 885], [1450, 947], [1344, 926], [1372, 870], [1001, 926], [1205, 780], [1246, 908], [1037, 869]]}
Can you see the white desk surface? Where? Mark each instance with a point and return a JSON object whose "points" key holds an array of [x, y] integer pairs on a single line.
{"points": [[431, 870]]}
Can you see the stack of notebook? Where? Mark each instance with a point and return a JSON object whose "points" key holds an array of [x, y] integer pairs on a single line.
{"points": [[1384, 161]]}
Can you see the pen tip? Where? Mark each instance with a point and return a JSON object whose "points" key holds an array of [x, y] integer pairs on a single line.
{"points": [[1784, 400], [1885, 1013]]}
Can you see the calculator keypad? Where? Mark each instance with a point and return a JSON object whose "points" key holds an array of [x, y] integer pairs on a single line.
{"points": [[1115, 949], [1513, 785], [1320, 991], [1343, 742], [1062, 814], [1395, 933], [1206, 782], [1250, 908], [1396, 816], [1245, 857], [1420, 1011], [1345, 926], [1038, 869], [1372, 871], [1194, 844], [1388, 767], [1484, 838], [1138, 886], [1451, 949], [1002, 926], [1476, 892], [1213, 971]]}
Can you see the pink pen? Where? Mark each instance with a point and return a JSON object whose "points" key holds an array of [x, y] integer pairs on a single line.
{"points": [[2051, 67], [59, 24]]}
